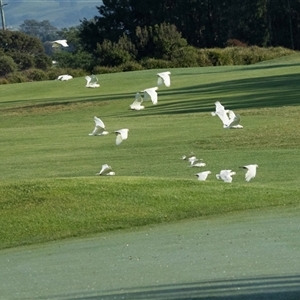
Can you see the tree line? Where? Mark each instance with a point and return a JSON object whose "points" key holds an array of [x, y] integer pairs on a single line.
{"points": [[203, 23]]}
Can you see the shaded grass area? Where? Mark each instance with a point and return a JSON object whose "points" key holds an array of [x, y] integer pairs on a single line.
{"points": [[48, 186]]}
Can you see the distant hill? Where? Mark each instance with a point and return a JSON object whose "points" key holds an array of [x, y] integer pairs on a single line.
{"points": [[60, 13]]}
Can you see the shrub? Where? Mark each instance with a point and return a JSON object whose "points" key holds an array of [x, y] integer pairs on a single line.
{"points": [[152, 63], [42, 61], [185, 57], [235, 43], [7, 65], [3, 81], [105, 70], [24, 61], [36, 75], [16, 77], [130, 66]]}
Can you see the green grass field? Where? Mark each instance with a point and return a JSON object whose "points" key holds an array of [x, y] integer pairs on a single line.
{"points": [[48, 187]]}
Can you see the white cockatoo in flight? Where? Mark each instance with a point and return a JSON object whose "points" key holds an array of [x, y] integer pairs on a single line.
{"points": [[137, 103], [99, 128], [251, 171], [228, 117], [151, 94], [226, 175], [164, 78], [121, 135], [91, 81], [202, 176]]}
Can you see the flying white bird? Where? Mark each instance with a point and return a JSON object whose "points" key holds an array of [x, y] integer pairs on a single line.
{"points": [[106, 170], [251, 171], [137, 103], [58, 43], [64, 77], [122, 135], [164, 78], [196, 163], [234, 121], [225, 175], [150, 94], [228, 117], [99, 127], [203, 175], [91, 81]]}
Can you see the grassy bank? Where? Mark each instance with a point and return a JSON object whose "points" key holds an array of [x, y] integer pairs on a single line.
{"points": [[48, 186]]}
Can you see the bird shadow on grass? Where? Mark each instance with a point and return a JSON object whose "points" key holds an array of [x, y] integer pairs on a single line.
{"points": [[259, 288]]}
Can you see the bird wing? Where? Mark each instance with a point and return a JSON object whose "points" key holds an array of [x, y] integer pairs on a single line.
{"points": [[94, 79], [152, 94], [235, 121], [60, 42], [164, 78], [221, 113], [251, 172], [98, 122], [119, 139], [137, 102], [88, 80], [105, 169]]}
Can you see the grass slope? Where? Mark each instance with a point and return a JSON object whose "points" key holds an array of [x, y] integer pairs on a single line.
{"points": [[48, 187]]}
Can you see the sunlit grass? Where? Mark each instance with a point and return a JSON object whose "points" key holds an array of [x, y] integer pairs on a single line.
{"points": [[48, 186]]}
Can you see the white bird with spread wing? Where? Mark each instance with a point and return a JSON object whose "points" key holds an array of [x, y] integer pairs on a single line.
{"points": [[137, 103], [202, 176], [58, 43], [164, 78], [106, 170], [151, 94], [225, 175], [251, 171], [228, 117], [122, 134], [99, 128], [92, 81]]}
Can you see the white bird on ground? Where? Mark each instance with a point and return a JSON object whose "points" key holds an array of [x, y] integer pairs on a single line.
{"points": [[122, 134], [225, 175], [137, 103], [251, 171], [203, 175], [99, 127], [234, 121], [196, 163], [64, 77], [91, 81], [58, 43], [151, 94], [189, 157], [164, 78], [106, 170]]}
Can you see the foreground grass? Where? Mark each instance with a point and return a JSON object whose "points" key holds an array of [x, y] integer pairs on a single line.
{"points": [[58, 208], [48, 186]]}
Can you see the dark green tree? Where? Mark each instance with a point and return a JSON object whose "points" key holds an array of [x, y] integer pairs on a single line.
{"points": [[42, 30]]}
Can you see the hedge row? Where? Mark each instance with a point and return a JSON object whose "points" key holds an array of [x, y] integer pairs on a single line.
{"points": [[185, 57]]}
